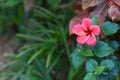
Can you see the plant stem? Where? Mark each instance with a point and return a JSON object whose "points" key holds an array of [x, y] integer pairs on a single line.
{"points": [[65, 42]]}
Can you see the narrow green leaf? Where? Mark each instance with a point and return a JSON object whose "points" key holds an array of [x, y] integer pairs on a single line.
{"points": [[46, 14], [37, 38], [17, 74], [12, 3], [65, 42], [2, 67], [46, 11], [35, 55], [43, 69], [23, 52], [39, 74], [54, 63], [49, 57], [27, 77], [56, 3], [38, 24]]}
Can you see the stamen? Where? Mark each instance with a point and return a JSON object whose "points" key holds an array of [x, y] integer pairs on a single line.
{"points": [[80, 33]]}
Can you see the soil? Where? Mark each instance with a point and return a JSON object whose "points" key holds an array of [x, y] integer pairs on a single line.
{"points": [[6, 46]]}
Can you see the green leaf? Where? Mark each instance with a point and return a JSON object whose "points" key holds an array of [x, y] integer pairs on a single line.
{"points": [[56, 60], [109, 64], [114, 44], [53, 3], [77, 60], [43, 69], [25, 51], [87, 52], [35, 55], [27, 77], [95, 20], [90, 76], [110, 28], [37, 38], [91, 64], [49, 57], [102, 77], [99, 70], [12, 3], [101, 49]]}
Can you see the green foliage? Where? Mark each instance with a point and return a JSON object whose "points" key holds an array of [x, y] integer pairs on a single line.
{"points": [[85, 50], [114, 44], [102, 49], [43, 36], [9, 3], [44, 40], [99, 70], [91, 64], [109, 64], [12, 16], [77, 60], [90, 76], [99, 61], [56, 3], [110, 28], [95, 20]]}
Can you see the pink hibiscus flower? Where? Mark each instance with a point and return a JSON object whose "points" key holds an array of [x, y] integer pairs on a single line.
{"points": [[86, 32]]}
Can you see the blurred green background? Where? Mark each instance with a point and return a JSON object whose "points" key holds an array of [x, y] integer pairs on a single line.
{"points": [[37, 33]]}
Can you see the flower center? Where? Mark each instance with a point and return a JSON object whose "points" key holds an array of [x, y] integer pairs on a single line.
{"points": [[88, 32]]}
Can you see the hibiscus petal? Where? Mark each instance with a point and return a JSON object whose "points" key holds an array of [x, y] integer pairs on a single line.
{"points": [[77, 29], [96, 29], [92, 40], [82, 39], [86, 22]]}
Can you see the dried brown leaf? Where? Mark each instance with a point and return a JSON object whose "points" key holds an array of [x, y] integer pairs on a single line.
{"points": [[71, 39], [102, 36], [101, 11], [117, 2], [77, 19], [114, 12], [90, 3], [76, 4]]}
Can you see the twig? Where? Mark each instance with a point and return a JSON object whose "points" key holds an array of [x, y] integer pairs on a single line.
{"points": [[102, 8], [114, 1]]}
